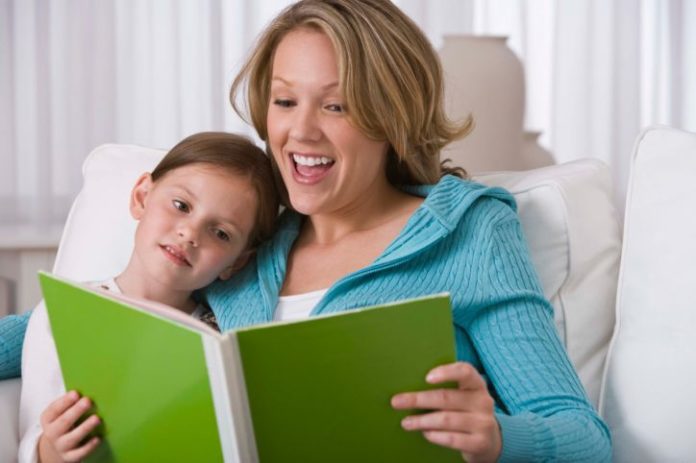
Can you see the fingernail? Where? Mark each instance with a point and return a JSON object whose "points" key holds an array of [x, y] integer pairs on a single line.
{"points": [[398, 401], [432, 377], [407, 423]]}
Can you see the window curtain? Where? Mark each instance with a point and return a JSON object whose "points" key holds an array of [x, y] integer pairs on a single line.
{"points": [[78, 73], [596, 71]]}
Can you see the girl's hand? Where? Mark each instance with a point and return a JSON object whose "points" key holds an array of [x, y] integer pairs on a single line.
{"points": [[61, 440], [462, 418]]}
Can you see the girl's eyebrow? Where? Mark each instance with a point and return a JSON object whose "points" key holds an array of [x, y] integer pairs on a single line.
{"points": [[188, 192]]}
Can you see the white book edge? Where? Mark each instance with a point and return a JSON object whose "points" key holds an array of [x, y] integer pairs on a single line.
{"points": [[157, 309], [230, 398]]}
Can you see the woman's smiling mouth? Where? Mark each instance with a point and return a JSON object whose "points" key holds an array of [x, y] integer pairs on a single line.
{"points": [[310, 169]]}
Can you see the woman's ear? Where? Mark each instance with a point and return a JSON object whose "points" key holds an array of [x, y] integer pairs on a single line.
{"points": [[240, 262], [138, 194]]}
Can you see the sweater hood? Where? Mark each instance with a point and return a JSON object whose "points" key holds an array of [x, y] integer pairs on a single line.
{"points": [[450, 198]]}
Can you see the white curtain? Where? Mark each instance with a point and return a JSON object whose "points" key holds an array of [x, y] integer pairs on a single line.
{"points": [[596, 71], [78, 73]]}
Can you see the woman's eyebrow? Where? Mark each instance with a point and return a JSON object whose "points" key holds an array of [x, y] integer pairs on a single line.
{"points": [[282, 80]]}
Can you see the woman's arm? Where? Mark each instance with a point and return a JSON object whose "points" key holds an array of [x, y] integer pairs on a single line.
{"points": [[546, 409], [545, 415], [12, 329]]}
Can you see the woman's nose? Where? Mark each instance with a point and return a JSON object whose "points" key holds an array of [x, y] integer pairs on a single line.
{"points": [[305, 125]]}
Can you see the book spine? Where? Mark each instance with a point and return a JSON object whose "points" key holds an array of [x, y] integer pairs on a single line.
{"points": [[230, 399]]}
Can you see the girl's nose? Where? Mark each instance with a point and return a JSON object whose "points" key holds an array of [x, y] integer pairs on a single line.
{"points": [[189, 234]]}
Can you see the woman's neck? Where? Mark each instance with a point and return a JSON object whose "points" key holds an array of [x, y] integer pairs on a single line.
{"points": [[369, 212]]}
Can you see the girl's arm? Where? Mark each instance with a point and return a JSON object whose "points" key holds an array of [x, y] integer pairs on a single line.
{"points": [[42, 382], [12, 329], [63, 437]]}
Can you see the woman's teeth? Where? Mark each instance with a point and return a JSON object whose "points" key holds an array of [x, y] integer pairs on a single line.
{"points": [[311, 160]]}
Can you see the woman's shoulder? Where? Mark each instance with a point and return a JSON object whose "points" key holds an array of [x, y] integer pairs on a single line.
{"points": [[452, 199]]}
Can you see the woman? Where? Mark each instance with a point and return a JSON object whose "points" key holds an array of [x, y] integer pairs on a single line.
{"points": [[347, 95]]}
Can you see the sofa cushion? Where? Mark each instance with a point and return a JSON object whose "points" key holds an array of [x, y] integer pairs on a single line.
{"points": [[651, 368], [571, 226], [9, 417]]}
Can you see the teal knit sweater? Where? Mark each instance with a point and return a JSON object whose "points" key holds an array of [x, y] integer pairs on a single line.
{"points": [[12, 329], [464, 239]]}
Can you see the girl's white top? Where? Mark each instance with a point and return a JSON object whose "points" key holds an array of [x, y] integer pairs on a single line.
{"points": [[42, 381]]}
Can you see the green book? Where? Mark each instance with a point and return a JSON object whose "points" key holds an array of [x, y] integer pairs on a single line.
{"points": [[169, 388]]}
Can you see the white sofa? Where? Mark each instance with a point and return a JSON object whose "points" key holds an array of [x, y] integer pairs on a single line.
{"points": [[573, 231]]}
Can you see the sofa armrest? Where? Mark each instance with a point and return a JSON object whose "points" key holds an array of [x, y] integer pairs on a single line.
{"points": [[9, 419]]}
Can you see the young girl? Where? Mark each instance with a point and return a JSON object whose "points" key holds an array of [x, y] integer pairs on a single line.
{"points": [[200, 213]]}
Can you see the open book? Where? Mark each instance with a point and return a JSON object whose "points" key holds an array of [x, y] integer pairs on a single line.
{"points": [[169, 388]]}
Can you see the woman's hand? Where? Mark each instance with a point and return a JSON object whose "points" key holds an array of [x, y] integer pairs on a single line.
{"points": [[61, 440], [462, 418]]}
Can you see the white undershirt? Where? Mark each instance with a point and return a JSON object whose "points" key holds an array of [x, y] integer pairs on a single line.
{"points": [[297, 306]]}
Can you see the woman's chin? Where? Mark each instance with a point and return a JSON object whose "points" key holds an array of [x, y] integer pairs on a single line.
{"points": [[305, 206]]}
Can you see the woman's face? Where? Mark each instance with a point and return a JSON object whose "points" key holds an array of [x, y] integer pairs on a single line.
{"points": [[327, 164]]}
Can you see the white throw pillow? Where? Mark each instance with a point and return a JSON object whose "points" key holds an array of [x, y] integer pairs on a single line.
{"points": [[571, 226], [98, 235], [647, 397]]}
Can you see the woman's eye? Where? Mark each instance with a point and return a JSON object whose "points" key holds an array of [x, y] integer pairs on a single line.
{"points": [[283, 103], [180, 205], [335, 108], [222, 235]]}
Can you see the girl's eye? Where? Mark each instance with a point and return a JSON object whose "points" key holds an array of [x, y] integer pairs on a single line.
{"points": [[180, 205], [283, 102], [335, 108], [222, 235]]}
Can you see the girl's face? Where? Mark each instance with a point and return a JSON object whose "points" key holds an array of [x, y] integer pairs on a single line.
{"points": [[194, 224], [327, 164]]}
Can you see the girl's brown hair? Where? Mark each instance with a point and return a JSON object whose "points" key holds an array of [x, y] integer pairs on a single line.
{"points": [[240, 156], [390, 76]]}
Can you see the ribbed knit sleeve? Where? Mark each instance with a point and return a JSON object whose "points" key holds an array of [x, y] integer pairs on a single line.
{"points": [[547, 416], [12, 329]]}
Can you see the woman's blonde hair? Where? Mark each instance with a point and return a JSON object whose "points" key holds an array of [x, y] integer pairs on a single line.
{"points": [[390, 77]]}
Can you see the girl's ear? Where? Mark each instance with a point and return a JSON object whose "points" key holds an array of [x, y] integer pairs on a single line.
{"points": [[138, 194], [237, 265]]}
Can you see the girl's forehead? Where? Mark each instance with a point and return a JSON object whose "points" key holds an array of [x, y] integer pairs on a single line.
{"points": [[217, 189], [204, 173]]}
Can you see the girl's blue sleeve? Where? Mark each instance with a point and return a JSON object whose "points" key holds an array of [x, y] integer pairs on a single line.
{"points": [[12, 329]]}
